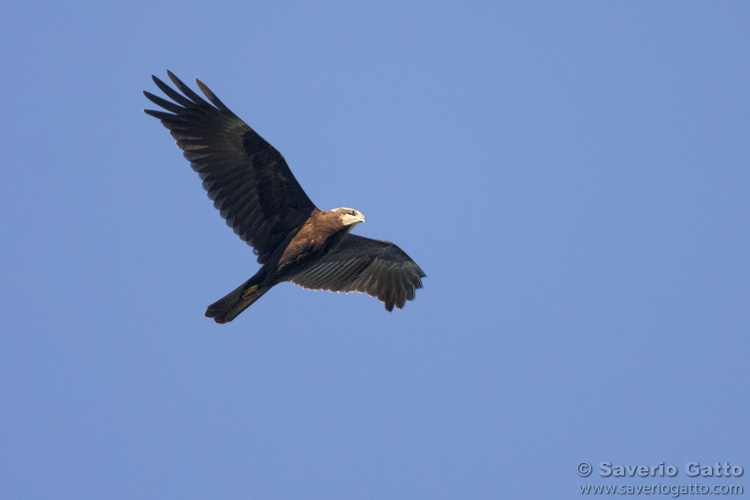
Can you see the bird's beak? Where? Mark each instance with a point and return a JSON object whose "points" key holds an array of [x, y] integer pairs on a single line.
{"points": [[353, 219]]}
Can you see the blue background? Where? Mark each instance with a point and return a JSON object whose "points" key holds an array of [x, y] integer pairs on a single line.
{"points": [[573, 177]]}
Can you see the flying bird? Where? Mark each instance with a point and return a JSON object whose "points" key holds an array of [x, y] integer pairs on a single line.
{"points": [[256, 193]]}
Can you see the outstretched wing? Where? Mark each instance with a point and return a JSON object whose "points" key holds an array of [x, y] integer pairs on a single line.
{"points": [[248, 180], [378, 268]]}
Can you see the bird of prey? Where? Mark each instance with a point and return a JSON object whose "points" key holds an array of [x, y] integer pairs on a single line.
{"points": [[256, 192]]}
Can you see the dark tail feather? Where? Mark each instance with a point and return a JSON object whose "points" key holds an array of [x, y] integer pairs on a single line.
{"points": [[226, 309]]}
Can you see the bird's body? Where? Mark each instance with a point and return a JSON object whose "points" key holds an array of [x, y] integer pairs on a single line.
{"points": [[260, 199]]}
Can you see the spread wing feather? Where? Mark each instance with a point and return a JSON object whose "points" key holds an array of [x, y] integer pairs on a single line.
{"points": [[378, 268], [248, 180]]}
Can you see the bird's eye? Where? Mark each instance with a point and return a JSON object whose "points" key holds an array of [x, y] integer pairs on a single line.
{"points": [[351, 212]]}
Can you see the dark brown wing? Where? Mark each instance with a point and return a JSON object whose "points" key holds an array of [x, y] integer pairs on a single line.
{"points": [[246, 177], [378, 268]]}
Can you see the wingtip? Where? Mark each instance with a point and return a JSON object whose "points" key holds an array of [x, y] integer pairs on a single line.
{"points": [[204, 88], [175, 80]]}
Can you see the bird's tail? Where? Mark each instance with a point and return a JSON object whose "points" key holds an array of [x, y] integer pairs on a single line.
{"points": [[226, 309]]}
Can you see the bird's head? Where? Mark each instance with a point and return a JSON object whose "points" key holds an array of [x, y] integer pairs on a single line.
{"points": [[349, 217]]}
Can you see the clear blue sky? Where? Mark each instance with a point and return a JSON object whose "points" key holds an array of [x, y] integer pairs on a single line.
{"points": [[573, 177]]}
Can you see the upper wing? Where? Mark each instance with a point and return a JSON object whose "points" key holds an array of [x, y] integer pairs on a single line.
{"points": [[379, 268], [246, 177]]}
